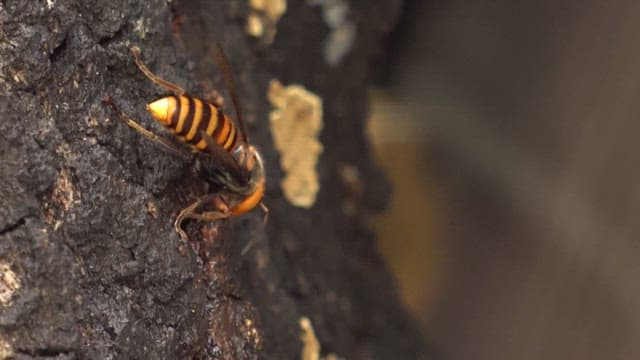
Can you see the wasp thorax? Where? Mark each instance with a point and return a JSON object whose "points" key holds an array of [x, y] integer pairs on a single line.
{"points": [[163, 109]]}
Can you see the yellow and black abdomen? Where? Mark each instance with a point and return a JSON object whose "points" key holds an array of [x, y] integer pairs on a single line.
{"points": [[188, 117]]}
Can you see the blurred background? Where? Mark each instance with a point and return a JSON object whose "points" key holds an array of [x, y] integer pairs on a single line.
{"points": [[509, 132]]}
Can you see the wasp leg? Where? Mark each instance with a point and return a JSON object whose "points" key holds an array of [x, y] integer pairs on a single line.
{"points": [[265, 211], [190, 213], [209, 215], [153, 77], [163, 142], [183, 215], [166, 144]]}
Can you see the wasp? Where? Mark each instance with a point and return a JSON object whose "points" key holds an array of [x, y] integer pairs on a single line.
{"points": [[220, 149]]}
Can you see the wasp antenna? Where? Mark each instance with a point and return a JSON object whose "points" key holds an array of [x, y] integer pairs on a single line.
{"points": [[227, 76]]}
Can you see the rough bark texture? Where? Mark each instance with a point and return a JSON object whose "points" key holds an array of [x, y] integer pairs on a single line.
{"points": [[89, 254]]}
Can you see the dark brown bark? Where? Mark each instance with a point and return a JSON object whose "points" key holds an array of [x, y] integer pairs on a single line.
{"points": [[93, 264]]}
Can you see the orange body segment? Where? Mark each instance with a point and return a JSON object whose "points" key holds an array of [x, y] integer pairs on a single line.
{"points": [[185, 110], [250, 202], [188, 117], [197, 118], [223, 134], [163, 109]]}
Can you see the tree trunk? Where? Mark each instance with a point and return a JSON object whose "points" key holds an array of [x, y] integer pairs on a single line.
{"points": [[91, 264]]}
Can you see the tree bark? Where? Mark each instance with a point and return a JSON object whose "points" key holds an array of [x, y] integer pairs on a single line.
{"points": [[91, 264]]}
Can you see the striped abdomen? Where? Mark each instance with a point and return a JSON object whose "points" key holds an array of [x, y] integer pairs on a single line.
{"points": [[188, 117]]}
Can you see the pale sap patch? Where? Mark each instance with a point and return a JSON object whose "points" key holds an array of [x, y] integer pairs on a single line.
{"points": [[6, 352], [340, 39], [310, 344], [251, 332], [295, 123], [9, 284], [65, 194], [264, 17], [141, 27]]}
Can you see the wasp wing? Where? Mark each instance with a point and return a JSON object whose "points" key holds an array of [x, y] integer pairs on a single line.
{"points": [[224, 161], [227, 76]]}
